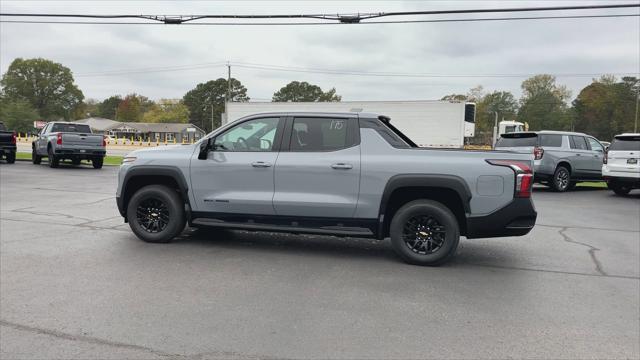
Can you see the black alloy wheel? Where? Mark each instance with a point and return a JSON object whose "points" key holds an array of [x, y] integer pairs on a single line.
{"points": [[152, 215], [423, 234]]}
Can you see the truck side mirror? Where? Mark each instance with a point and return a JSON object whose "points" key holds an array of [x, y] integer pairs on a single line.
{"points": [[204, 149]]}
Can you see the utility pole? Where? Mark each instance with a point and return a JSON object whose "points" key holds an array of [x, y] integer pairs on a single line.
{"points": [[495, 130], [227, 98], [635, 126]]}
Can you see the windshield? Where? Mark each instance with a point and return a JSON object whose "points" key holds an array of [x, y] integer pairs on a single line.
{"points": [[71, 128], [626, 144]]}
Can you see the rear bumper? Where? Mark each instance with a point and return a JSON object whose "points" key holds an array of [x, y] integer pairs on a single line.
{"points": [[80, 152], [515, 219], [7, 148]]}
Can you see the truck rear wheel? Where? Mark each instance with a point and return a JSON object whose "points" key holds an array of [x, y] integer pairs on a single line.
{"points": [[424, 232], [10, 157], [156, 214], [97, 162], [54, 161]]}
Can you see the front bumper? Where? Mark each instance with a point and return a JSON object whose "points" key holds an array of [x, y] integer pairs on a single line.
{"points": [[515, 219]]}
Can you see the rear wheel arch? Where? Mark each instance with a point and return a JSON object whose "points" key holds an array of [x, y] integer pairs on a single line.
{"points": [[565, 164], [451, 191], [137, 178]]}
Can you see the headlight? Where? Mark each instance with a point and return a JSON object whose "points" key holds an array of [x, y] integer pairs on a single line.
{"points": [[128, 159]]}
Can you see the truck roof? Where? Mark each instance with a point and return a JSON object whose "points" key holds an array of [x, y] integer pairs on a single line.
{"points": [[313, 113]]}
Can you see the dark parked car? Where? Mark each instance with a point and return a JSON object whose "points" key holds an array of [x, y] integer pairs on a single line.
{"points": [[7, 144]]}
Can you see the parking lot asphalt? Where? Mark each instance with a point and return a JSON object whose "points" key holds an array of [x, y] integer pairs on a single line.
{"points": [[76, 283]]}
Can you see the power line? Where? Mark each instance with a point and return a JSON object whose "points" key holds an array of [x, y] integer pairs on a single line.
{"points": [[323, 23], [269, 67], [352, 18]]}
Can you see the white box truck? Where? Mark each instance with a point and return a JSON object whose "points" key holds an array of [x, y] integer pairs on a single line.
{"points": [[429, 123]]}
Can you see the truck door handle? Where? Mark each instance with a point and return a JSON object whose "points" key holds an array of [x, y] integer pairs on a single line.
{"points": [[342, 166], [578, 154], [260, 164]]}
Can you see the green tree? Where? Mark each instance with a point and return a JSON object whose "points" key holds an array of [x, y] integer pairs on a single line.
{"points": [[48, 86], [206, 100], [85, 109], [167, 111], [502, 102], [304, 92], [132, 108], [543, 104], [17, 115], [606, 107], [107, 108], [454, 97]]}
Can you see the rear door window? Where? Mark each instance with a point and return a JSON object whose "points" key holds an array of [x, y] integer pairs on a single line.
{"points": [[517, 141], [320, 134], [551, 140], [578, 143], [625, 144]]}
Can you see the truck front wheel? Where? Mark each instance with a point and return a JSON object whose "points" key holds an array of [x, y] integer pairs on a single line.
{"points": [[424, 232], [156, 214]]}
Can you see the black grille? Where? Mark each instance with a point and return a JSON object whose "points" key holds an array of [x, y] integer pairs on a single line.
{"points": [[470, 113]]}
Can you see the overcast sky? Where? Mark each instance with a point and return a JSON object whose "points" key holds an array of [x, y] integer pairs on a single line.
{"points": [[561, 47]]}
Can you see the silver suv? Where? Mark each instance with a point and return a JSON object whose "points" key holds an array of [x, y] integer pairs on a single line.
{"points": [[561, 159], [343, 174]]}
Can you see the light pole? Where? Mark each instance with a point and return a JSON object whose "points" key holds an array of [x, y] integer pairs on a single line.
{"points": [[495, 130]]}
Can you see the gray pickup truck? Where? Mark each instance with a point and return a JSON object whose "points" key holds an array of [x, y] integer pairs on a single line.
{"points": [[7, 144], [68, 141], [343, 174]]}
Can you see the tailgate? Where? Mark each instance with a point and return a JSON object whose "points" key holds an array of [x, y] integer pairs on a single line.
{"points": [[6, 137], [625, 161], [79, 139]]}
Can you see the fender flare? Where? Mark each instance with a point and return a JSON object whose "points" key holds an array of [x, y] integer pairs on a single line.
{"points": [[153, 170], [451, 182]]}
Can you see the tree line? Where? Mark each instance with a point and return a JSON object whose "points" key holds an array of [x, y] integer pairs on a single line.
{"points": [[604, 108], [34, 89]]}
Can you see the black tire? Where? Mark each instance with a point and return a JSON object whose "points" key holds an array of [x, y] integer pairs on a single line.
{"points": [[561, 181], [97, 162], [54, 161], [35, 158], [75, 162], [10, 157], [156, 214], [434, 242], [618, 188]]}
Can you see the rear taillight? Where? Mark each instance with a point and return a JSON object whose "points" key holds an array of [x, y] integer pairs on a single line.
{"points": [[13, 138], [59, 139], [104, 141], [524, 175], [605, 158], [538, 152]]}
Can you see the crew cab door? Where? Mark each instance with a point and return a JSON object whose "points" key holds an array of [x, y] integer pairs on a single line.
{"points": [[317, 173], [41, 141], [237, 175]]}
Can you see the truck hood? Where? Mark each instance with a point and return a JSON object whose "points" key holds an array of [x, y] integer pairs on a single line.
{"points": [[169, 150]]}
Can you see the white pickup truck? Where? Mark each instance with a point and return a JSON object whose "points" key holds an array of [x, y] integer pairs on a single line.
{"points": [[64, 140]]}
